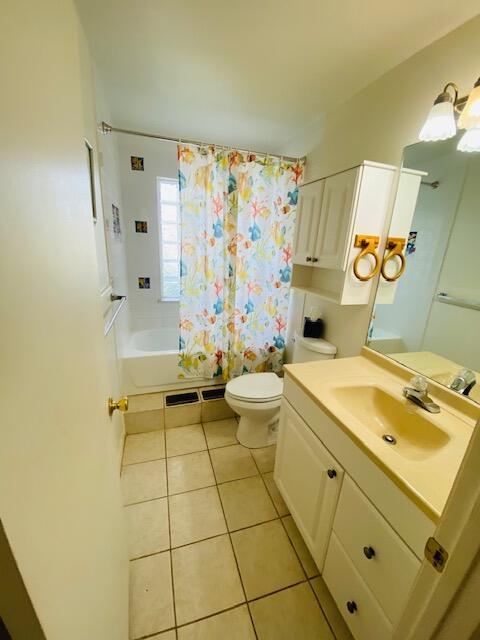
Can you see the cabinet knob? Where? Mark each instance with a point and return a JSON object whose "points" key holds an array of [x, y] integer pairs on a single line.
{"points": [[308, 259], [369, 552], [331, 473], [352, 606], [314, 259]]}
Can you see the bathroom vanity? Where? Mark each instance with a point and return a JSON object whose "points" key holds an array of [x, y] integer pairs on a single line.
{"points": [[366, 506]]}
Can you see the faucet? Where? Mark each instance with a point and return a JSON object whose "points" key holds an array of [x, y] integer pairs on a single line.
{"points": [[463, 382], [418, 393]]}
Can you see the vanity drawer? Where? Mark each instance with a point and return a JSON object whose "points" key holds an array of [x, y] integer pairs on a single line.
{"points": [[391, 569], [367, 621]]}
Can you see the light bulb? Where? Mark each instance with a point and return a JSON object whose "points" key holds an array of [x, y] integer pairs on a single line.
{"points": [[470, 141], [440, 123], [470, 116]]}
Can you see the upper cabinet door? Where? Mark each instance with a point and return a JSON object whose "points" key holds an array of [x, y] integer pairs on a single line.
{"points": [[308, 216], [336, 216]]}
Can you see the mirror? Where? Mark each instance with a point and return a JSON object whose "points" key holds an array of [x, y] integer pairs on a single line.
{"points": [[429, 319]]}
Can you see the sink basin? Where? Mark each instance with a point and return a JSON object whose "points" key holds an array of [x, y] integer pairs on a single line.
{"points": [[417, 436]]}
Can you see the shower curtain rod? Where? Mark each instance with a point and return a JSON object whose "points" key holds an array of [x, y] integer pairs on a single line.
{"points": [[108, 128]]}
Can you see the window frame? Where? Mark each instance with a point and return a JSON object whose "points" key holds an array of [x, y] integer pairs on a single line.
{"points": [[161, 242]]}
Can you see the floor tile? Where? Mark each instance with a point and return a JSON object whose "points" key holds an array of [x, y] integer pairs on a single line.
{"points": [[206, 579], [196, 515], [189, 472], [144, 481], [221, 433], [246, 502], [275, 495], [304, 554], [183, 440], [151, 596], [292, 613], [166, 635], [232, 463], [265, 458], [330, 610], [266, 559], [141, 447], [216, 410], [234, 625], [143, 421], [147, 527]]}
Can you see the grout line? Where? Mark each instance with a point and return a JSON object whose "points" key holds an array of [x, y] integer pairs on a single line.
{"points": [[233, 550], [170, 542], [272, 593], [212, 615], [320, 605]]}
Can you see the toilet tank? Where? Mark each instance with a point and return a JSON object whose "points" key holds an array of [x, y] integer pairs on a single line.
{"points": [[308, 349]]}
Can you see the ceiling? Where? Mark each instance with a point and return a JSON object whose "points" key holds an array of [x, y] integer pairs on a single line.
{"points": [[257, 74]]}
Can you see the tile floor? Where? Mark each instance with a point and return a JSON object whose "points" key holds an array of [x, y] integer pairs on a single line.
{"points": [[214, 552]]}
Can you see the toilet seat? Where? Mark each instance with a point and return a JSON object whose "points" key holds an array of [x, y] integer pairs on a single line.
{"points": [[255, 387]]}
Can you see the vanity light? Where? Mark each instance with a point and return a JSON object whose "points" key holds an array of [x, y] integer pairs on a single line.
{"points": [[470, 141], [470, 116], [440, 123]]}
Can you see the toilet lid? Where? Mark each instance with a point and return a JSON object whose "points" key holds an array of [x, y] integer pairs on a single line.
{"points": [[256, 386]]}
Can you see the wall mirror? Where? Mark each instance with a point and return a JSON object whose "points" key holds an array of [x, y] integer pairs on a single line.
{"points": [[429, 318]]}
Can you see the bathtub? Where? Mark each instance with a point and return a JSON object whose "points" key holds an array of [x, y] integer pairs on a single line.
{"points": [[150, 363]]}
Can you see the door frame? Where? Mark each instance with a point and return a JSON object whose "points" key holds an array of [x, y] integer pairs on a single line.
{"points": [[433, 593]]}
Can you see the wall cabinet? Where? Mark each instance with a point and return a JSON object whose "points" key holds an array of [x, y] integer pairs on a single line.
{"points": [[309, 478], [308, 216], [331, 212], [364, 533]]}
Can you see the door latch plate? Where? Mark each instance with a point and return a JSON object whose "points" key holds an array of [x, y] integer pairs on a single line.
{"points": [[436, 554]]}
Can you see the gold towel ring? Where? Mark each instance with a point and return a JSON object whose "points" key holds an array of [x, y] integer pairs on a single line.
{"points": [[395, 246], [368, 246]]}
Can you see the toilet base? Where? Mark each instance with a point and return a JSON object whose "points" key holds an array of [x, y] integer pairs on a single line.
{"points": [[253, 434]]}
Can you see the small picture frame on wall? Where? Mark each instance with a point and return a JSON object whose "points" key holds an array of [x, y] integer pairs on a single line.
{"points": [[143, 282], [141, 226], [117, 231], [136, 163]]}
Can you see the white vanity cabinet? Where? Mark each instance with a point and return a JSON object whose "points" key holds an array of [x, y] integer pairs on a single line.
{"points": [[309, 479], [331, 212], [364, 532]]}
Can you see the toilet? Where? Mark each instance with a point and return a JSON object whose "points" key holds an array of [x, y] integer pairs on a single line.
{"points": [[256, 397]]}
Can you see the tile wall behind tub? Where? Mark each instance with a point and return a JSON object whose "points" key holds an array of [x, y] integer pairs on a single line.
{"points": [[139, 196]]}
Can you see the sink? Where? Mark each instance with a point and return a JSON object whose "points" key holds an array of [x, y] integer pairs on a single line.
{"points": [[416, 436]]}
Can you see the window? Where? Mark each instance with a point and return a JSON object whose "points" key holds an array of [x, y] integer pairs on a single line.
{"points": [[169, 235]]}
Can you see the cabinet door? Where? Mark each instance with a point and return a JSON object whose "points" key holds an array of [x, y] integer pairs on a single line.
{"points": [[309, 479], [308, 215], [336, 218]]}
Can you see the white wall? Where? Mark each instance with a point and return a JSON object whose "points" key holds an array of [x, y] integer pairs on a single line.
{"points": [[376, 124], [433, 219]]}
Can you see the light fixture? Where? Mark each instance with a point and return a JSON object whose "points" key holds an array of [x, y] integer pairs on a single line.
{"points": [[470, 141], [440, 123], [470, 116]]}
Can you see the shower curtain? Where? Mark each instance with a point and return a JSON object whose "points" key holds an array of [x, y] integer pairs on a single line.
{"points": [[237, 222]]}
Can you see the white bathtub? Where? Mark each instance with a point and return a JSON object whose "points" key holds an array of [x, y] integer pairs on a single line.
{"points": [[150, 363]]}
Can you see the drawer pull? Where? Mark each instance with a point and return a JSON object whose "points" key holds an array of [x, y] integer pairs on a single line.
{"points": [[369, 552], [331, 473], [352, 606], [308, 259], [314, 259]]}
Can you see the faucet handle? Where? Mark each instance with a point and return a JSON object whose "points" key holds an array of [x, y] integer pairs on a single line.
{"points": [[419, 383]]}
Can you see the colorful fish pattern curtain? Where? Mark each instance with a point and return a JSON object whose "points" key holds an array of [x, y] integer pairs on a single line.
{"points": [[237, 222]]}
